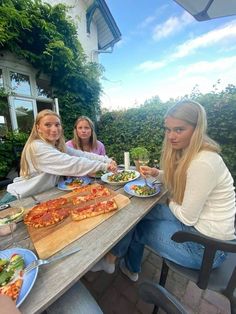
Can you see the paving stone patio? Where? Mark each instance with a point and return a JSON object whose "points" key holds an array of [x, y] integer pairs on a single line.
{"points": [[118, 295]]}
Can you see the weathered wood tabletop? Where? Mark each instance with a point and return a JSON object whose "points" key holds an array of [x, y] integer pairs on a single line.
{"points": [[55, 279]]}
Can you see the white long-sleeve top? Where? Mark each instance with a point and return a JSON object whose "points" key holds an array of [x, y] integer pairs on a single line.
{"points": [[51, 164], [209, 197]]}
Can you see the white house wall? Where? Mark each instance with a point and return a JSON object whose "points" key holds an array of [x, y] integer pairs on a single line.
{"points": [[77, 12]]}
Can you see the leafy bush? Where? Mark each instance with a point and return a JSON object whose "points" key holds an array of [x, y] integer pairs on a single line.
{"points": [[138, 151], [10, 151], [122, 130]]}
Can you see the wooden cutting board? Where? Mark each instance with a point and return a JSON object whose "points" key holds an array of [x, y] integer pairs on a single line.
{"points": [[48, 241]]}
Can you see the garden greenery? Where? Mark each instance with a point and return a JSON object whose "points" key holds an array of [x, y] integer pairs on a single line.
{"points": [[122, 130], [46, 37]]}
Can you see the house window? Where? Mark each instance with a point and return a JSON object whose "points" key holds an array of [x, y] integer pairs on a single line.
{"points": [[22, 113], [20, 83], [29, 93]]}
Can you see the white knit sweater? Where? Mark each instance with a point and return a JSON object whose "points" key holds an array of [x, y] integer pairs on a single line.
{"points": [[51, 163], [209, 198]]}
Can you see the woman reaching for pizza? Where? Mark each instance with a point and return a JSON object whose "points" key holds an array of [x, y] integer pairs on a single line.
{"points": [[45, 157], [202, 197]]}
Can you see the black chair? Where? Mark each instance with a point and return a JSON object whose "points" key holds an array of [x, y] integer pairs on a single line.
{"points": [[155, 294], [221, 279]]}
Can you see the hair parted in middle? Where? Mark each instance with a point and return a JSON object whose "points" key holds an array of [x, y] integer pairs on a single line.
{"points": [[176, 162], [35, 135], [77, 142]]}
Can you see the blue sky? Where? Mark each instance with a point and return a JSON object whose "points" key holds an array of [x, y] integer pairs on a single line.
{"points": [[165, 52]]}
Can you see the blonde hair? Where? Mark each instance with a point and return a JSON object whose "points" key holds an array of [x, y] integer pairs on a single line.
{"points": [[34, 135], [175, 163], [77, 142]]}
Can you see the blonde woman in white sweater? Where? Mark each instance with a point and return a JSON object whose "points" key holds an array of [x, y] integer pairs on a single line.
{"points": [[46, 157], [202, 197]]}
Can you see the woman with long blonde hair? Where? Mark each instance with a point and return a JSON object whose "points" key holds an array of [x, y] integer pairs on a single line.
{"points": [[201, 197], [45, 158], [85, 137]]}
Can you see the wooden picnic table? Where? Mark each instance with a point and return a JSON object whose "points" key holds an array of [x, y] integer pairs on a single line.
{"points": [[56, 278]]}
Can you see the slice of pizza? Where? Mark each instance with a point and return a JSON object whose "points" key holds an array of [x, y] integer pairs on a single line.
{"points": [[45, 217], [76, 200], [82, 189], [100, 191], [92, 210], [12, 289], [11, 277], [52, 204], [95, 192], [55, 203]]}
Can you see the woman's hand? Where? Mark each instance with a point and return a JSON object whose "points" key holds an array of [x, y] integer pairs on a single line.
{"points": [[112, 166], [148, 171]]}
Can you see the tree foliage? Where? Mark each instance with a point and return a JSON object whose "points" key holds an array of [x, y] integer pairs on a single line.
{"points": [[44, 36]]}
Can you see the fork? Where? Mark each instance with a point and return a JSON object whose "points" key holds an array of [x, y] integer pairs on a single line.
{"points": [[145, 180], [40, 262], [35, 200]]}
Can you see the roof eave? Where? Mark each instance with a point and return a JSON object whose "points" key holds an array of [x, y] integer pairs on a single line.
{"points": [[106, 14]]}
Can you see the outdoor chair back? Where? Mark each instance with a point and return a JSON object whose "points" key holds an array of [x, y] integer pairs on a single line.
{"points": [[155, 294], [221, 279]]}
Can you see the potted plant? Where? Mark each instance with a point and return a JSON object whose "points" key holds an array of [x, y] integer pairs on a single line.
{"points": [[137, 153]]}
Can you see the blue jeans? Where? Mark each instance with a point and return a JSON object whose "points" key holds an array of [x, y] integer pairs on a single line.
{"points": [[155, 230], [77, 300]]}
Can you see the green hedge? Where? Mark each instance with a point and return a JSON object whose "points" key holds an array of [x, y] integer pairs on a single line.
{"points": [[122, 130], [10, 151]]}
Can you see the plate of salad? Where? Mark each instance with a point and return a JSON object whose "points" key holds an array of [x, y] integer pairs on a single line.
{"points": [[12, 264], [120, 177], [71, 183], [140, 189]]}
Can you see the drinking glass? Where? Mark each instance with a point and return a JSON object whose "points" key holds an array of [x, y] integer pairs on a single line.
{"points": [[143, 161], [156, 164], [8, 219]]}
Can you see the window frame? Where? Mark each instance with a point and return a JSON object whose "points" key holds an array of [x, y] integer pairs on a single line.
{"points": [[8, 65]]}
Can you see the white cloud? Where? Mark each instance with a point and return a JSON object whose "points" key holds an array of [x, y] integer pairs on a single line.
{"points": [[204, 74], [147, 21], [173, 25], [152, 18], [148, 66], [219, 66], [222, 34]]}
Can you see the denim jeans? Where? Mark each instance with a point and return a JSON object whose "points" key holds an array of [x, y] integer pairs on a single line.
{"points": [[77, 300], [155, 230]]}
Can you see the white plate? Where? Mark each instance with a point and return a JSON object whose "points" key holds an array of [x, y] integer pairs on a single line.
{"points": [[62, 184], [141, 182], [29, 278], [104, 178]]}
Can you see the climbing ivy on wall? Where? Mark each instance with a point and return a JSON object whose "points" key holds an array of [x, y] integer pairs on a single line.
{"points": [[46, 37]]}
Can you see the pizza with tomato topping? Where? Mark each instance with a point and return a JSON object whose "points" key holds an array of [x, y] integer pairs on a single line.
{"points": [[47, 213], [95, 192], [53, 211], [11, 276], [94, 209]]}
